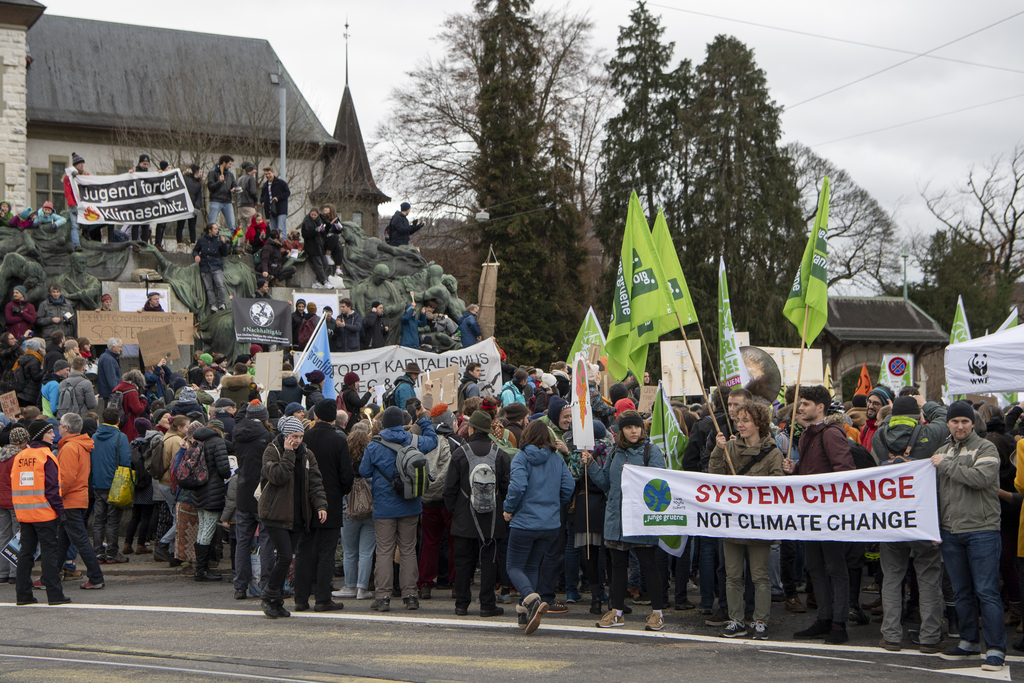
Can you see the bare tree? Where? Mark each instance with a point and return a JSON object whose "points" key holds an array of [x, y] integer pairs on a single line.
{"points": [[864, 249]]}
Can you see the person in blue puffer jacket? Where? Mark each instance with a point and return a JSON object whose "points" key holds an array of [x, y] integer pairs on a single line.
{"points": [[631, 448], [395, 518], [540, 485]]}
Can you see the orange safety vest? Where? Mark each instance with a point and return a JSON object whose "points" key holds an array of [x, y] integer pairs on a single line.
{"points": [[28, 485]]}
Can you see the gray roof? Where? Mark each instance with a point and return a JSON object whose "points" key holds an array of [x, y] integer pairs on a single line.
{"points": [[881, 319], [108, 75]]}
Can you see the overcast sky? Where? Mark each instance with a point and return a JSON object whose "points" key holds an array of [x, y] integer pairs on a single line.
{"points": [[389, 37]]}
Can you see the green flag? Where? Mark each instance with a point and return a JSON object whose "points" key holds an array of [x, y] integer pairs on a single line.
{"points": [[732, 370], [668, 435], [960, 333], [639, 299], [674, 275], [1009, 323], [590, 333], [810, 289]]}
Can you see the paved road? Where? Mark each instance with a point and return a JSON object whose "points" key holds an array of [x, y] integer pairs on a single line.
{"points": [[173, 629]]}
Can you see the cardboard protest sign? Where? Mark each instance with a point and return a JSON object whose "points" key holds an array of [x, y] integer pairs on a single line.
{"points": [[9, 405], [677, 371], [647, 396], [99, 326], [158, 343]]}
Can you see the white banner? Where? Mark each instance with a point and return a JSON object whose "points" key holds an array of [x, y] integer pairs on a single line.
{"points": [[987, 365], [384, 365], [891, 503], [131, 197]]}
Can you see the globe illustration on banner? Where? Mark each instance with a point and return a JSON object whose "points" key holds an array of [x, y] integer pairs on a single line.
{"points": [[657, 495], [261, 313]]}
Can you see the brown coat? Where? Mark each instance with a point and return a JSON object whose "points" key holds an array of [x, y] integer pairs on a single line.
{"points": [[277, 501], [171, 443]]}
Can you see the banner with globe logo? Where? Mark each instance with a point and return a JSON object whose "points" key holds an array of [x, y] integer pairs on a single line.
{"points": [[262, 321], [887, 504]]}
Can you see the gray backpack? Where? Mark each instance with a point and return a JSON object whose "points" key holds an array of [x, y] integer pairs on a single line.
{"points": [[483, 486], [412, 471]]}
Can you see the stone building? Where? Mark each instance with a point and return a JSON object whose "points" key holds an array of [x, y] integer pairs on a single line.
{"points": [[111, 91]]}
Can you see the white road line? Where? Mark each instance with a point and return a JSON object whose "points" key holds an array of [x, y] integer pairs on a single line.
{"points": [[1003, 675], [497, 625], [162, 668]]}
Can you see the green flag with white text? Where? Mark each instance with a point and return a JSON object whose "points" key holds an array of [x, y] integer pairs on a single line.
{"points": [[961, 332], [674, 275], [810, 288], [590, 333], [668, 435], [732, 370], [641, 297]]}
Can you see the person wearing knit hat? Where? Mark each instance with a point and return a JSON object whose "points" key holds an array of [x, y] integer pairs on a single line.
{"points": [[396, 517], [294, 409], [142, 425], [516, 416], [326, 410], [441, 414], [353, 402], [254, 349], [559, 416], [292, 501], [622, 405], [257, 411], [876, 400], [38, 429], [967, 472]]}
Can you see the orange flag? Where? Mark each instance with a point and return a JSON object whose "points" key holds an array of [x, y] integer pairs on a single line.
{"points": [[864, 385]]}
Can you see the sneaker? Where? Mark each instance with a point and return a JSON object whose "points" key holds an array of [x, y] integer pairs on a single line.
{"points": [[494, 612], [425, 592], [958, 654], [90, 586], [611, 620], [213, 309], [655, 622], [240, 594], [819, 629], [503, 598], [363, 594], [734, 629], [345, 593], [328, 606], [889, 645], [857, 616], [837, 636], [932, 648], [411, 602], [873, 588], [37, 585], [760, 630], [992, 663], [642, 599], [557, 608], [382, 604], [572, 597], [719, 618], [794, 605], [534, 612], [684, 605]]}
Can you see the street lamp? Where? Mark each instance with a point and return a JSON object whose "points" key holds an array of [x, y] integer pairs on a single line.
{"points": [[276, 79]]}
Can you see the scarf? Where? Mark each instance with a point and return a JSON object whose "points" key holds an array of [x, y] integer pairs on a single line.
{"points": [[30, 352], [59, 301]]}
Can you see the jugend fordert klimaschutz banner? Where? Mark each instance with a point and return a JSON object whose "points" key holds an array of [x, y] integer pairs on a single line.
{"points": [[889, 504], [131, 197]]}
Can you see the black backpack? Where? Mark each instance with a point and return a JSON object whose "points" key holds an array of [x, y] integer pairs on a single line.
{"points": [[389, 233], [388, 399], [138, 458]]}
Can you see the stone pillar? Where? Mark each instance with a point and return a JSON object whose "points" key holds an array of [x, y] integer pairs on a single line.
{"points": [[14, 116]]}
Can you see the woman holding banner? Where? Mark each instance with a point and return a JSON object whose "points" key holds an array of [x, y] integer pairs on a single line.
{"points": [[632, 447], [753, 454]]}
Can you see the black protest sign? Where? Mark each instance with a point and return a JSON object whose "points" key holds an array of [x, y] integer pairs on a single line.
{"points": [[262, 321]]}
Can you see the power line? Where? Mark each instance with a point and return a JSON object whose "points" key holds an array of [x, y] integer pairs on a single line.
{"points": [[839, 40], [921, 120], [905, 61]]}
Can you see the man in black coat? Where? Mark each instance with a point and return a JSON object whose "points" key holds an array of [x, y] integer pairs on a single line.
{"points": [[330, 448], [374, 328], [251, 438], [54, 351], [473, 546], [400, 228]]}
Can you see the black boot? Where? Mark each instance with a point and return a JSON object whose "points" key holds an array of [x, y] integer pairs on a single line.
{"points": [[952, 621], [595, 605], [269, 601], [203, 572]]}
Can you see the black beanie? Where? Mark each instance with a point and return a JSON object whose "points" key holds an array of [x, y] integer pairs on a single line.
{"points": [[630, 418], [860, 401], [960, 409], [906, 405], [326, 410], [392, 417], [617, 391]]}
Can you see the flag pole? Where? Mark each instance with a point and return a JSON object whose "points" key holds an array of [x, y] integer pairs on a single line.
{"points": [[796, 393], [700, 382], [586, 505], [305, 351], [714, 375]]}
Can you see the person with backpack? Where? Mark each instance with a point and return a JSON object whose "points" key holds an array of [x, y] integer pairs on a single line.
{"points": [[127, 397], [110, 452], [74, 459], [143, 504], [313, 391], [914, 430], [400, 474], [474, 493], [161, 470], [512, 391], [50, 391], [539, 487], [469, 386], [292, 494], [329, 449], [404, 387], [357, 534], [824, 448], [108, 369], [398, 231], [307, 327], [28, 373], [209, 498], [251, 436], [75, 393], [437, 520], [753, 454], [632, 447]]}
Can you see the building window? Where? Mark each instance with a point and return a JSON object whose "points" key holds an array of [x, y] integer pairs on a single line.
{"points": [[48, 185], [357, 218]]}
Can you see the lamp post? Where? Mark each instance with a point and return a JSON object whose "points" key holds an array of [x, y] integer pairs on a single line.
{"points": [[905, 257], [278, 80]]}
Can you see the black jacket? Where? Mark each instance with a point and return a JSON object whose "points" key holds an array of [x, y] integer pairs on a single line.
{"points": [[220, 191], [353, 404], [456, 491], [401, 230], [349, 335], [312, 394], [211, 252], [312, 236], [373, 331], [330, 449], [290, 392], [213, 494], [194, 186], [32, 371], [271, 258], [54, 353], [297, 320], [250, 191], [251, 439], [278, 188]]}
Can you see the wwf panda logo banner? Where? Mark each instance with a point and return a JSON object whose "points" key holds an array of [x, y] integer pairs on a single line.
{"points": [[992, 364], [262, 321]]}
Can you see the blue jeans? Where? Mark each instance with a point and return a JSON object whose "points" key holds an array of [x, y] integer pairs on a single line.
{"points": [[359, 541], [246, 526], [972, 562], [526, 549], [279, 222], [228, 209], [167, 538], [73, 215]]}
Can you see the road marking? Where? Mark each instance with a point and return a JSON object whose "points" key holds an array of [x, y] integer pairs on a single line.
{"points": [[354, 679], [497, 625], [1003, 675]]}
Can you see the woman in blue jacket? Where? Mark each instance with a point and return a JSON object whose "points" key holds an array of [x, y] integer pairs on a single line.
{"points": [[540, 486], [632, 447]]}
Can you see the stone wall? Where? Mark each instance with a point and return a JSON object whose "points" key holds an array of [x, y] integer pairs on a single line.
{"points": [[13, 123]]}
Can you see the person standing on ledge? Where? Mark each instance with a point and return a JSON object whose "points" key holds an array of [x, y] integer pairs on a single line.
{"points": [[399, 230]]}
